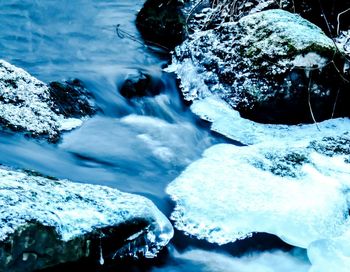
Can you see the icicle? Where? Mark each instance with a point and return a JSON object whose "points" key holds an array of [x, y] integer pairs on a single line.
{"points": [[102, 261]]}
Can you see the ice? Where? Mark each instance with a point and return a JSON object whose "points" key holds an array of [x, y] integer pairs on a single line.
{"points": [[229, 123], [279, 188], [330, 254], [70, 123]]}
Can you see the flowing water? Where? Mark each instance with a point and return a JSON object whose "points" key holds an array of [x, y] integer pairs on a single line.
{"points": [[137, 146]]}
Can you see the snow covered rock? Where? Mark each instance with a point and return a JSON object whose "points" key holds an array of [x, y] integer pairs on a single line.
{"points": [[29, 105], [45, 222], [296, 190], [273, 66]]}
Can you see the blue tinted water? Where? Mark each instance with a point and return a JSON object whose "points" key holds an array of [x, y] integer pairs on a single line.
{"points": [[137, 146]]}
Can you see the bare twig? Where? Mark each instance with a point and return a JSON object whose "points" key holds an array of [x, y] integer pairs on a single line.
{"points": [[335, 103], [122, 34], [338, 19], [309, 102]]}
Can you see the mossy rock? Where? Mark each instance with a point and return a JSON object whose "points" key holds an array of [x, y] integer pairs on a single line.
{"points": [[272, 66]]}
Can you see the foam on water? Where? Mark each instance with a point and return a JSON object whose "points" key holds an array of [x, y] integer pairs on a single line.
{"points": [[207, 261]]}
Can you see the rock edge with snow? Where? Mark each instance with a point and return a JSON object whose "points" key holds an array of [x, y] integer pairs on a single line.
{"points": [[45, 222]]}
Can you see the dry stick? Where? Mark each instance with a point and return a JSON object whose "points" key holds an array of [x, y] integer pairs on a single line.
{"points": [[335, 103], [309, 102], [338, 18], [124, 34], [345, 79]]}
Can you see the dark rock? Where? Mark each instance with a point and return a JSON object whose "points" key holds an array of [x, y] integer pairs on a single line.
{"points": [[162, 22], [71, 98], [140, 84]]}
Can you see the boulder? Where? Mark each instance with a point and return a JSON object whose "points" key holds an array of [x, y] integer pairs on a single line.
{"points": [[162, 22], [272, 66], [30, 106], [45, 222]]}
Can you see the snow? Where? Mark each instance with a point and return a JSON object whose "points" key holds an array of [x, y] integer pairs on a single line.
{"points": [[311, 59], [234, 191], [330, 254], [290, 181], [238, 57], [76, 209], [229, 123], [70, 123], [25, 104]]}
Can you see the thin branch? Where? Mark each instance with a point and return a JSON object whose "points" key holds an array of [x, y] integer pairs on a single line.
{"points": [[309, 102], [335, 103], [338, 19]]}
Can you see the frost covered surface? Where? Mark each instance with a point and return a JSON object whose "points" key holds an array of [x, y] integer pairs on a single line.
{"points": [[229, 123], [343, 41], [261, 65], [227, 194], [75, 210], [26, 105], [230, 54]]}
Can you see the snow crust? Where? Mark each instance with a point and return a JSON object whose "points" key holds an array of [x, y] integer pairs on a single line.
{"points": [[290, 181], [76, 209], [229, 123], [330, 254], [233, 191], [25, 104]]}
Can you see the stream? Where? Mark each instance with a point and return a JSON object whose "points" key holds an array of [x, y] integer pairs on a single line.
{"points": [[137, 146]]}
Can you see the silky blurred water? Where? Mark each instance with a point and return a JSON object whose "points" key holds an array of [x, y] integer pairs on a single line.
{"points": [[137, 146]]}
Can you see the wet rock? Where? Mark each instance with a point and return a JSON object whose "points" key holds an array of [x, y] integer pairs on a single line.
{"points": [[46, 222], [30, 106], [71, 98], [140, 84], [273, 66], [162, 22]]}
